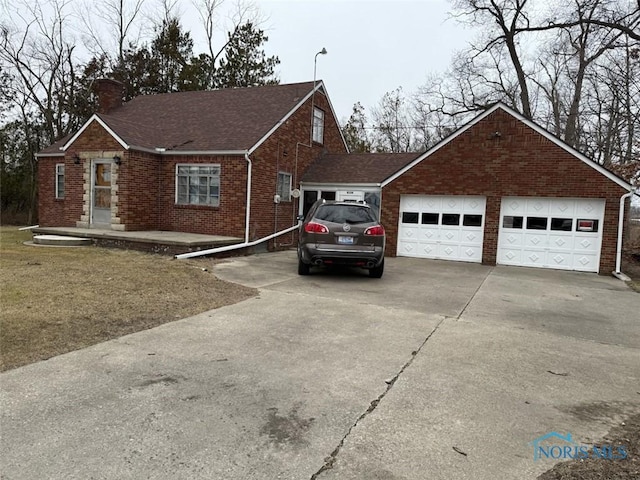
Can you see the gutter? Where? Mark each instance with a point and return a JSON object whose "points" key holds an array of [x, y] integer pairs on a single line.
{"points": [[617, 273]]}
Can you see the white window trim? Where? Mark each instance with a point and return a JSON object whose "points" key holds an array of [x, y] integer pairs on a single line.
{"points": [[318, 125], [188, 204], [58, 174], [284, 198]]}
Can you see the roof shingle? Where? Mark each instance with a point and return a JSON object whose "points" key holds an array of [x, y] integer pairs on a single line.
{"points": [[218, 120], [357, 167]]}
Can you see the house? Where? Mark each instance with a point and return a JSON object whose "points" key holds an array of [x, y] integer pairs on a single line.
{"points": [[499, 190], [221, 163]]}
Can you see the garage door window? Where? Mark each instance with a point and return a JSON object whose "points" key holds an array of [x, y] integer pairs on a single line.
{"points": [[472, 220], [587, 226], [409, 217], [450, 219], [536, 223], [512, 222], [430, 218], [561, 224]]}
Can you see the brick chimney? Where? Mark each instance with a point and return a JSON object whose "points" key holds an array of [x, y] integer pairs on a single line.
{"points": [[109, 92]]}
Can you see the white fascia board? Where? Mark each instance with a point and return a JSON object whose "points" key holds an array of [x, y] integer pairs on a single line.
{"points": [[95, 118], [567, 148], [333, 112], [439, 145], [285, 118], [44, 155], [337, 186], [549, 136]]}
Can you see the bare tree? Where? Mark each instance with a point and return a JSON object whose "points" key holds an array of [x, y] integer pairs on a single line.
{"points": [[118, 19]]}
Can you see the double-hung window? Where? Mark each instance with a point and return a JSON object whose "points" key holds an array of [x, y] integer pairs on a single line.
{"points": [[198, 184], [60, 180], [318, 125], [284, 186]]}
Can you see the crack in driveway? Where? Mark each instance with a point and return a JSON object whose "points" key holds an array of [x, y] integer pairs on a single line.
{"points": [[330, 460]]}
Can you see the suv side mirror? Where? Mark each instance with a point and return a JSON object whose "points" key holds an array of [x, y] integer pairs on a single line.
{"points": [[300, 218]]}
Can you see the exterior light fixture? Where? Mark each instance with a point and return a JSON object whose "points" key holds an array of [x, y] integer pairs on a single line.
{"points": [[76, 159], [117, 160]]}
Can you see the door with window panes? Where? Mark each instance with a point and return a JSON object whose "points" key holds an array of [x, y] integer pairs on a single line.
{"points": [[101, 193]]}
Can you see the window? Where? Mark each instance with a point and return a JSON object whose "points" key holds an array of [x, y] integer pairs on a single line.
{"points": [[198, 185], [345, 214], [430, 218], [562, 224], [318, 125], [409, 217], [284, 186], [512, 222], [328, 195], [586, 225], [60, 180], [536, 223], [472, 220], [450, 219]]}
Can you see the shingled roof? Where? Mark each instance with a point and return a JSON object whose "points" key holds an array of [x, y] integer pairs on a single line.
{"points": [[230, 119], [357, 167]]}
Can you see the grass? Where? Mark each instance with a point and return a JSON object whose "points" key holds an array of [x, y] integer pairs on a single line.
{"points": [[55, 300]]}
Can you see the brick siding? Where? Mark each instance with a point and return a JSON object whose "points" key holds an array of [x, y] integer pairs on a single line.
{"points": [[146, 182], [520, 162]]}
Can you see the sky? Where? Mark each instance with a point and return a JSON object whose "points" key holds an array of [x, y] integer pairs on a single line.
{"points": [[373, 46]]}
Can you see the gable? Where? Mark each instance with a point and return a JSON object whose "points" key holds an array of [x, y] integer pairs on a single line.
{"points": [[529, 142]]}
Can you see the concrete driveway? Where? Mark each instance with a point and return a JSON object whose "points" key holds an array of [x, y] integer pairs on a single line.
{"points": [[438, 370]]}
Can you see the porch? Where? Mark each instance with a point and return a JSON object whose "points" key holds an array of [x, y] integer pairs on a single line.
{"points": [[155, 241]]}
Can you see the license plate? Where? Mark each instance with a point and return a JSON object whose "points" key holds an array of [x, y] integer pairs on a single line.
{"points": [[345, 240]]}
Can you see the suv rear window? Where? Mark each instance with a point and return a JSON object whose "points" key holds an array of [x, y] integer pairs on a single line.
{"points": [[345, 214]]}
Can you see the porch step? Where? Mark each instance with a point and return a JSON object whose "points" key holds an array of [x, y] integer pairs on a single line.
{"points": [[60, 241]]}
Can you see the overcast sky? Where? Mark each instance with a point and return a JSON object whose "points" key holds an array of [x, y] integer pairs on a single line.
{"points": [[373, 46]]}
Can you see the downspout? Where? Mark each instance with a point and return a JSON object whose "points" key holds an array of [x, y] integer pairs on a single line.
{"points": [[246, 242], [617, 273], [248, 201]]}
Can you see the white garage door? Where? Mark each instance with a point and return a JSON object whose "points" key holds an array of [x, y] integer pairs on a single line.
{"points": [[563, 233], [443, 227]]}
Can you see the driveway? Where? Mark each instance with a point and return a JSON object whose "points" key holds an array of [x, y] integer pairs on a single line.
{"points": [[439, 370]]}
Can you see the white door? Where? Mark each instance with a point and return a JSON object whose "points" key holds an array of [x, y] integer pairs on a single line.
{"points": [[562, 233], [442, 227]]}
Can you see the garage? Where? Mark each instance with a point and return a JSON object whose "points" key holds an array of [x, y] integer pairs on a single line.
{"points": [[561, 233], [441, 227]]}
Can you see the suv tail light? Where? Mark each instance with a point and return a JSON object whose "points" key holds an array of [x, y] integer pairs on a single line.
{"points": [[377, 230], [313, 227]]}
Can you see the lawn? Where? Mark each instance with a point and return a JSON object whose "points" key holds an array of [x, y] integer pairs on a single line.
{"points": [[55, 300]]}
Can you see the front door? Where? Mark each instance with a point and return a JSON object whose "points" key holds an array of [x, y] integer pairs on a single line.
{"points": [[101, 194]]}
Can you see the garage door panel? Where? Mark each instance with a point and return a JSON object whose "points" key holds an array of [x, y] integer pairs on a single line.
{"points": [[448, 227], [562, 233]]}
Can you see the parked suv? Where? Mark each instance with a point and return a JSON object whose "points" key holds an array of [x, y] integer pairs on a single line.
{"points": [[341, 233]]}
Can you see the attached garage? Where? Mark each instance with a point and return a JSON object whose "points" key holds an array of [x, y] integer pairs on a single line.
{"points": [[500, 190], [561, 233], [441, 227]]}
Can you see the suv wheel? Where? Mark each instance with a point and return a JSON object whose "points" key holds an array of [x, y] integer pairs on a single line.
{"points": [[303, 268], [376, 272]]}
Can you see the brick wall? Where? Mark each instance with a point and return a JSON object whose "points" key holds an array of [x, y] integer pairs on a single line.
{"points": [[520, 162], [144, 184], [287, 151]]}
